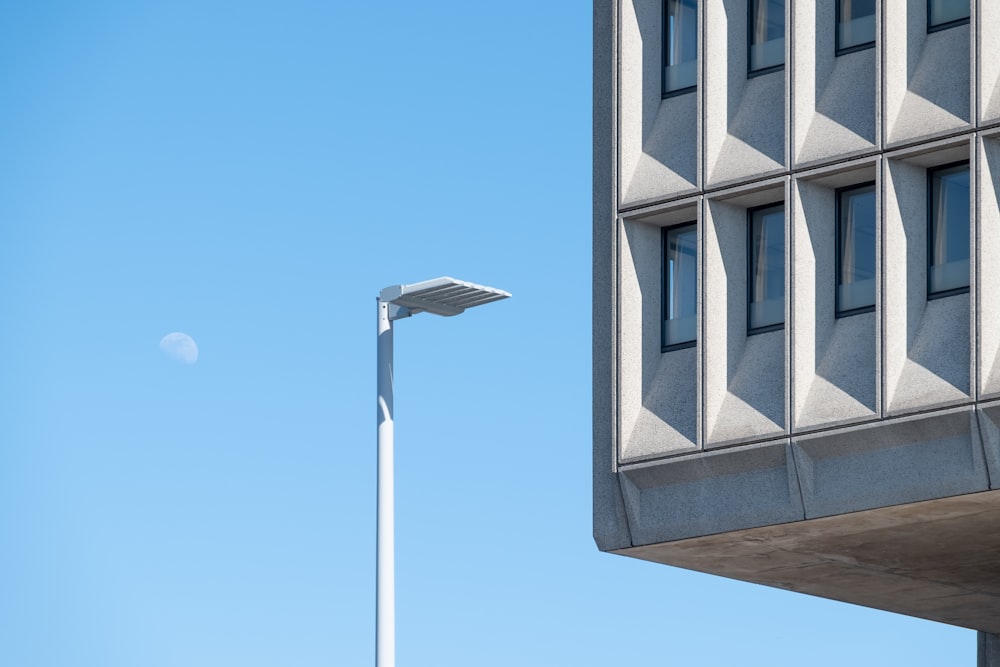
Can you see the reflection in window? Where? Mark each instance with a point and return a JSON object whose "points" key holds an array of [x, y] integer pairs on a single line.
{"points": [[855, 25], [946, 13], [680, 46], [948, 249], [856, 250], [766, 276], [767, 35], [680, 285]]}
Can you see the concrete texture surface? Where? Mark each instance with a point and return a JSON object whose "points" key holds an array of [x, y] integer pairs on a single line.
{"points": [[712, 492], [745, 117], [658, 139], [659, 391], [987, 19], [928, 343], [835, 100], [987, 185], [744, 375], [989, 429], [928, 75], [610, 524], [894, 462], [835, 371]]}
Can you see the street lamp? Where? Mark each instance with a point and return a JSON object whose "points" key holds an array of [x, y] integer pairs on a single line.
{"points": [[441, 296]]}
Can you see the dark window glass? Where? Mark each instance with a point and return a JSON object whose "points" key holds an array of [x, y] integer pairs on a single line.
{"points": [[766, 276], [680, 286], [856, 250], [947, 13], [855, 25], [680, 46], [767, 35], [948, 234]]}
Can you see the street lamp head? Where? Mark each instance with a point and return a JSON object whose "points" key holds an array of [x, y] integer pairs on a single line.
{"points": [[441, 296]]}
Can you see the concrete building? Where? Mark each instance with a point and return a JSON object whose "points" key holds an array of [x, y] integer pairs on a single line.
{"points": [[797, 296]]}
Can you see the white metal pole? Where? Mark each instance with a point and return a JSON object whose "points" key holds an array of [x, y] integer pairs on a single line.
{"points": [[385, 576]]}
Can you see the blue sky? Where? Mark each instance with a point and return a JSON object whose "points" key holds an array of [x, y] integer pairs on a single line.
{"points": [[252, 174]]}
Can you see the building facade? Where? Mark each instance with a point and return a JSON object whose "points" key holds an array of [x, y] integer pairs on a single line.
{"points": [[797, 296]]}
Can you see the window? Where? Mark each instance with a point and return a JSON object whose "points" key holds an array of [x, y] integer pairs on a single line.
{"points": [[943, 14], [856, 250], [855, 25], [948, 232], [680, 46], [766, 269], [766, 28], [680, 286]]}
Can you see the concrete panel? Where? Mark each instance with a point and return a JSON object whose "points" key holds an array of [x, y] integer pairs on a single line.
{"points": [[658, 391], [711, 493], [899, 461], [744, 118], [927, 76], [927, 343], [988, 255], [834, 360], [987, 27], [842, 387], [667, 163], [638, 318], [936, 370], [753, 406], [658, 144], [835, 97], [744, 377], [667, 419], [632, 340], [989, 428]]}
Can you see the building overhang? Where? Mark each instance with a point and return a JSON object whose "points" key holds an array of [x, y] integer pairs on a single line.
{"points": [[900, 514], [938, 560]]}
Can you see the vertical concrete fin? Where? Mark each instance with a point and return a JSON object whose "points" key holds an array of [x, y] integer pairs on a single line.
{"points": [[611, 529]]}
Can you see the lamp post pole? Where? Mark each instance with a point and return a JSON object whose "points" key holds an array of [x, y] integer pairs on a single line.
{"points": [[440, 296], [385, 584]]}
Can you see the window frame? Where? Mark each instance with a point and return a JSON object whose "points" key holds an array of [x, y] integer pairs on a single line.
{"points": [[664, 93], [752, 73], [751, 331], [838, 193], [948, 24], [931, 171], [843, 51], [664, 233]]}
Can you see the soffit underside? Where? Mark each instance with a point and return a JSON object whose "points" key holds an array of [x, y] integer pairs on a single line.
{"points": [[938, 559]]}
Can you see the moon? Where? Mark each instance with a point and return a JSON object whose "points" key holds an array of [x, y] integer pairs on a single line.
{"points": [[180, 347]]}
